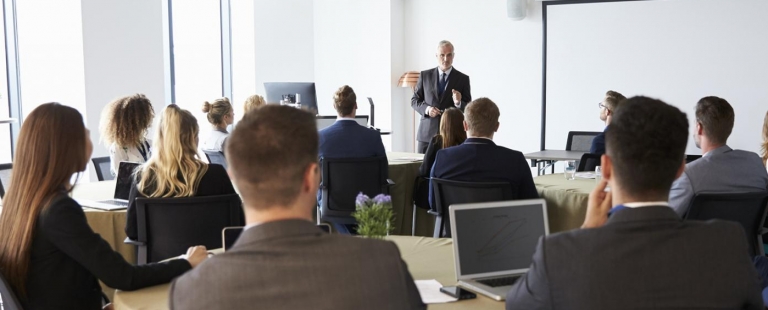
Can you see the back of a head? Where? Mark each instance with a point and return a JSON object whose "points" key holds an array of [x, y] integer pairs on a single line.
{"points": [[344, 100], [646, 143], [452, 127], [217, 110], [482, 116], [253, 102], [269, 152], [125, 121], [612, 99], [50, 149], [716, 116], [174, 154]]}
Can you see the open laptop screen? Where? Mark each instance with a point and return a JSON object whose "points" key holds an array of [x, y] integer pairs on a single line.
{"points": [[124, 179], [499, 236]]}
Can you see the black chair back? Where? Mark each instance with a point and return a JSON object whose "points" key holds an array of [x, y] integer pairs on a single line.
{"points": [[690, 158], [216, 157], [588, 162], [8, 300], [5, 177], [343, 179], [580, 141], [748, 209], [448, 192], [103, 168], [168, 226]]}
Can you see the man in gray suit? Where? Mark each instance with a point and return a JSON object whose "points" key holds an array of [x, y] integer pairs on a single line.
{"points": [[721, 169], [282, 260], [643, 256]]}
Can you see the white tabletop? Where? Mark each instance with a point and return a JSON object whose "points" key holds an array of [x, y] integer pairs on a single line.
{"points": [[555, 155]]}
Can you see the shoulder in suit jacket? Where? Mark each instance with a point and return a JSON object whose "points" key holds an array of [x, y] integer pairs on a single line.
{"points": [[721, 170], [427, 94], [481, 160], [642, 258], [347, 139], [68, 259], [214, 182], [291, 264]]}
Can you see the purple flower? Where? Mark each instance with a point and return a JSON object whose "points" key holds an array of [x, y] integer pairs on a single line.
{"points": [[362, 200], [382, 199]]}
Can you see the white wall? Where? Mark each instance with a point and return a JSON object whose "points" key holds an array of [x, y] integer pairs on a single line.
{"points": [[284, 39], [502, 58], [123, 51]]}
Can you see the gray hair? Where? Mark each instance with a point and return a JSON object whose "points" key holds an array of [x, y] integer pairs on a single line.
{"points": [[444, 43]]}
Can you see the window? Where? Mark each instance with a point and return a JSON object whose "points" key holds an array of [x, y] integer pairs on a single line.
{"points": [[5, 129]]}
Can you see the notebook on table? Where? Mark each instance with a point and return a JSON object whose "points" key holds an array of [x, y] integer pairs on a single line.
{"points": [[494, 243], [123, 183]]}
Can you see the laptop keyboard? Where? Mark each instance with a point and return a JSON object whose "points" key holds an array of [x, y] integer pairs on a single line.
{"points": [[496, 282], [117, 203]]}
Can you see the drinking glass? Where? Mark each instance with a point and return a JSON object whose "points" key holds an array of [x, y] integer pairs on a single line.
{"points": [[570, 170], [598, 174]]}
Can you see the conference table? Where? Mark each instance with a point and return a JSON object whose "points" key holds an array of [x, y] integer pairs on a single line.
{"points": [[547, 158], [566, 200], [427, 258]]}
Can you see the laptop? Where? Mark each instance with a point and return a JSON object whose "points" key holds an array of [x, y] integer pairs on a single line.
{"points": [[229, 235], [494, 243], [123, 183]]}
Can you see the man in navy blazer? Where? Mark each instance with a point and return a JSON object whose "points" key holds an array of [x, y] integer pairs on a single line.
{"points": [[607, 106], [438, 89], [478, 159]]}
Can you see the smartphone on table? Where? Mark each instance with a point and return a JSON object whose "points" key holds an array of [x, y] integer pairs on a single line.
{"points": [[457, 292]]}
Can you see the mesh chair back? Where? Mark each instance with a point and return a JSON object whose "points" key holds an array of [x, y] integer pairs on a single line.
{"points": [[216, 157], [8, 300], [169, 226], [690, 158], [588, 162], [343, 179], [580, 141], [448, 192], [748, 209], [5, 178], [103, 168]]}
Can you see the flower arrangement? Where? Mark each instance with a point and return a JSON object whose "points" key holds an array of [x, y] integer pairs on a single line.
{"points": [[374, 216]]}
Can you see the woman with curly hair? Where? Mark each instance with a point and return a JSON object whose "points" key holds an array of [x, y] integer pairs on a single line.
{"points": [[253, 102], [124, 125]]}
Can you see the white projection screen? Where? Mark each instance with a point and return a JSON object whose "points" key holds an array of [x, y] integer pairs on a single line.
{"points": [[674, 50]]}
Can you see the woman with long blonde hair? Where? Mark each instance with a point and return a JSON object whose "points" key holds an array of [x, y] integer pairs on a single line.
{"points": [[175, 170], [220, 114], [49, 255], [124, 125]]}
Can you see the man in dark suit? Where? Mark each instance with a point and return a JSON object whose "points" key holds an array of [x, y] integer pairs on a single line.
{"points": [[282, 260], [478, 159], [607, 106], [643, 256], [438, 89]]}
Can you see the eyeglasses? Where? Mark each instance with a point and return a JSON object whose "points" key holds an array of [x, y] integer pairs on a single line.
{"points": [[601, 105]]}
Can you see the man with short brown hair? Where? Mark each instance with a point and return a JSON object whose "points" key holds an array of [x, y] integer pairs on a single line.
{"points": [[607, 108], [282, 260], [721, 169]]}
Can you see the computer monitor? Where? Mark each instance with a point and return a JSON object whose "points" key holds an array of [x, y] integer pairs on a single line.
{"points": [[276, 91], [325, 121]]}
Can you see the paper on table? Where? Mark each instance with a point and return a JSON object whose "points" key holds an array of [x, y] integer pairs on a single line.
{"points": [[586, 175], [430, 292]]}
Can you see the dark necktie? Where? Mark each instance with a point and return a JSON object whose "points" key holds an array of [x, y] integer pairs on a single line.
{"points": [[441, 84]]}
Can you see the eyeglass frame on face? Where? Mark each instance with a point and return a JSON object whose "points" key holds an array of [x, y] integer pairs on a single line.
{"points": [[601, 105]]}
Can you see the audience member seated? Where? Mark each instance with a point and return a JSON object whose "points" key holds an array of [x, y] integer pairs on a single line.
{"points": [[451, 134], [175, 170], [253, 102], [607, 106], [721, 169], [478, 159], [644, 256], [282, 260], [765, 141], [220, 115], [49, 255], [124, 125]]}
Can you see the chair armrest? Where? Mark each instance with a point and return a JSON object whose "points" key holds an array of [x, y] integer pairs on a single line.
{"points": [[390, 182], [133, 242]]}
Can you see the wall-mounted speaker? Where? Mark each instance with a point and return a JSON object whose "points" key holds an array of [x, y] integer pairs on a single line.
{"points": [[517, 9]]}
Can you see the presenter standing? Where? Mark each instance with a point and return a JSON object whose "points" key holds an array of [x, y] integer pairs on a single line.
{"points": [[438, 89]]}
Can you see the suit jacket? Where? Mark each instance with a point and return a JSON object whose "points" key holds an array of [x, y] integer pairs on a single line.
{"points": [[643, 258], [347, 139], [68, 258], [291, 264], [481, 160], [426, 94], [214, 182], [722, 170], [598, 144]]}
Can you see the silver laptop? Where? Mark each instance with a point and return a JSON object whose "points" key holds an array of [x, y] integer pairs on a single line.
{"points": [[494, 243], [123, 183]]}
